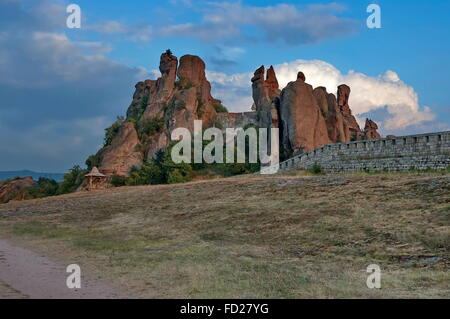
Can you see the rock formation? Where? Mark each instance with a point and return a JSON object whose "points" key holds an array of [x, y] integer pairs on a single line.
{"points": [[158, 107], [15, 189], [307, 118], [352, 126], [123, 153], [304, 126], [370, 130], [333, 117], [265, 91]]}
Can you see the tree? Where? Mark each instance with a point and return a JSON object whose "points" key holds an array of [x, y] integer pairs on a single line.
{"points": [[44, 187], [72, 180]]}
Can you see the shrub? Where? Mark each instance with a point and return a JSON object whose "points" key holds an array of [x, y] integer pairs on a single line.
{"points": [[117, 180], [112, 131], [200, 107], [93, 160], [72, 180], [183, 84], [147, 174], [151, 126], [177, 176], [220, 108], [45, 187], [135, 112], [316, 169], [160, 170]]}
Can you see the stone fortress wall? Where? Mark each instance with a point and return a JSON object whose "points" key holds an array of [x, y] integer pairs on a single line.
{"points": [[400, 153]]}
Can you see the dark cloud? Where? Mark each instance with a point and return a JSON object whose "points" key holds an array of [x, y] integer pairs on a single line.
{"points": [[283, 22], [220, 64], [55, 100], [225, 57]]}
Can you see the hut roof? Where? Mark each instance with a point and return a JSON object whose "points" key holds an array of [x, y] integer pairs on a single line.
{"points": [[95, 173]]}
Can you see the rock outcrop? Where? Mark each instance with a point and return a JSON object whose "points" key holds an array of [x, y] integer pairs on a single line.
{"points": [[304, 126], [307, 118], [266, 92], [352, 127], [370, 130], [333, 117], [158, 107], [123, 153], [15, 189]]}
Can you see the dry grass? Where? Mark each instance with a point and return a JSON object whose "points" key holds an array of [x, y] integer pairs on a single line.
{"points": [[282, 236]]}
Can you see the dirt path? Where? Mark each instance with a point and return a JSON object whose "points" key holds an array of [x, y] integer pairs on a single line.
{"points": [[26, 274]]}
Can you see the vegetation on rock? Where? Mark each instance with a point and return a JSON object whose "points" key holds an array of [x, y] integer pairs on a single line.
{"points": [[112, 131], [220, 108]]}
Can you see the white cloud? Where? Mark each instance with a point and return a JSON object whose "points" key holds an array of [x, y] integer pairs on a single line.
{"points": [[95, 47], [186, 3], [234, 90], [109, 27], [384, 92], [130, 32]]}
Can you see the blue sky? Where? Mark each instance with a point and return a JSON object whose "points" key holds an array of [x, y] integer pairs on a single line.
{"points": [[60, 88]]}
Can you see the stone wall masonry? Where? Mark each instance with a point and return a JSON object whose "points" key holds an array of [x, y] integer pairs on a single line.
{"points": [[400, 153]]}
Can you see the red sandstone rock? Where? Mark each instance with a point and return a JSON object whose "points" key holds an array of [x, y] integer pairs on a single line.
{"points": [[191, 70], [123, 153], [168, 68], [333, 116], [304, 126], [265, 93], [307, 118], [352, 127], [301, 75], [272, 85], [15, 189], [370, 130]]}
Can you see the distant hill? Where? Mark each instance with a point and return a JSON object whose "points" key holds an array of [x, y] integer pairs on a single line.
{"points": [[24, 173]]}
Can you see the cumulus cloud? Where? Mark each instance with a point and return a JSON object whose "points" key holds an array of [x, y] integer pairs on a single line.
{"points": [[385, 92], [287, 23], [234, 90]]}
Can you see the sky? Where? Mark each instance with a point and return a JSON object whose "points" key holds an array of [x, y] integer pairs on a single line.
{"points": [[60, 87]]}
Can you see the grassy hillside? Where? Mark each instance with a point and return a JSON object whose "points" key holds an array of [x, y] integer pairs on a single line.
{"points": [[283, 236]]}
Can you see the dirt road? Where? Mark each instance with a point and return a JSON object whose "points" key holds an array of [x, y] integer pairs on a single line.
{"points": [[26, 274]]}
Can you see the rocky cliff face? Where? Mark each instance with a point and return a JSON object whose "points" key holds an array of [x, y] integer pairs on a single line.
{"points": [[351, 125], [307, 118], [334, 119], [266, 92], [303, 123], [370, 130], [15, 189], [181, 95], [123, 153]]}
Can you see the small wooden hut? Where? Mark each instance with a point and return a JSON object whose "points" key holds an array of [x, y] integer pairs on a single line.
{"points": [[96, 180]]}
